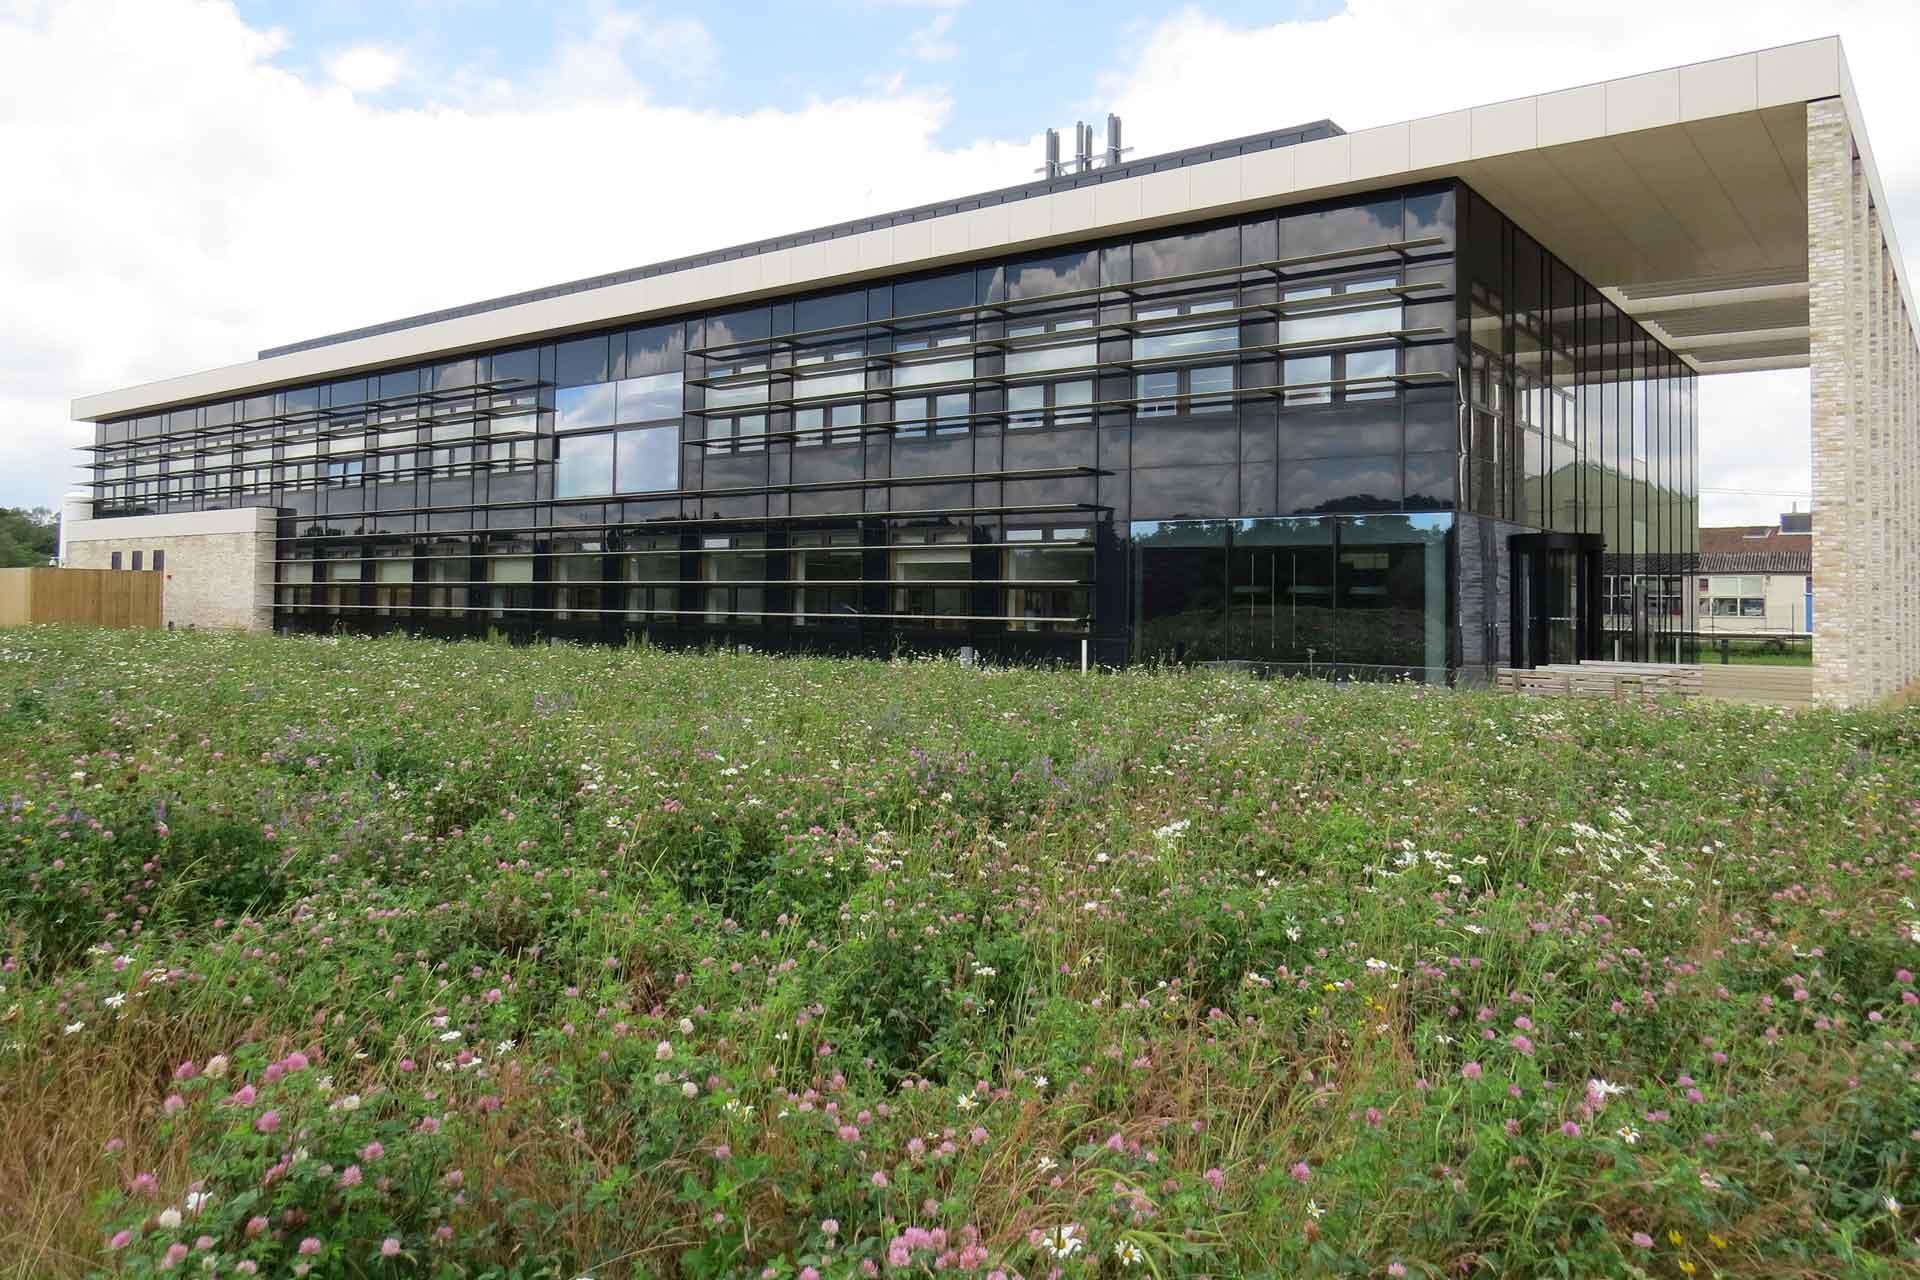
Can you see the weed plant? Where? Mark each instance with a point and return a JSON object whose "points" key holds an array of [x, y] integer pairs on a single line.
{"points": [[382, 958]]}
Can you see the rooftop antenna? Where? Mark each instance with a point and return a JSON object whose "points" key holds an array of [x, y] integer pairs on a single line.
{"points": [[1051, 169], [1084, 160], [1114, 149]]}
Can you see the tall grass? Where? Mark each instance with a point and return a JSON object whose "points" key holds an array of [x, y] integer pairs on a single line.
{"points": [[386, 957]]}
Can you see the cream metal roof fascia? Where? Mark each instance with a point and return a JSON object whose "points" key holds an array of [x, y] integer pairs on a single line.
{"points": [[1389, 155]]}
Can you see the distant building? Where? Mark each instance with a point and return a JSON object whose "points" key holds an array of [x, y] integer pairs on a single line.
{"points": [[1757, 578]]}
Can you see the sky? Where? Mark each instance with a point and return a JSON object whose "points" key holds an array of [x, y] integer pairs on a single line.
{"points": [[188, 181]]}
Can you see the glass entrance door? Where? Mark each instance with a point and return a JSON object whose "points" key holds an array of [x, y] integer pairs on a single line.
{"points": [[1555, 606], [1560, 596]]}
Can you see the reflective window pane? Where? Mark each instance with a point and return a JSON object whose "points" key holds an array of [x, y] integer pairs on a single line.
{"points": [[1060, 273], [750, 389], [1040, 344], [659, 348], [1070, 400], [582, 360], [583, 466], [918, 363], [1180, 590], [1371, 364], [1187, 252], [650, 398], [1304, 371], [1209, 382], [951, 413], [741, 560], [648, 460], [1171, 330], [1150, 387], [1026, 406], [576, 408]]}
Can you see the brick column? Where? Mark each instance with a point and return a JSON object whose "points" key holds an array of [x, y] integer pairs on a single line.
{"points": [[1866, 432]]}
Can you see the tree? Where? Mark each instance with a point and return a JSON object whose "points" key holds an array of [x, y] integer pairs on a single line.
{"points": [[28, 537]]}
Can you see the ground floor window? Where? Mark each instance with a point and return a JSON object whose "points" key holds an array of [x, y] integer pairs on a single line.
{"points": [[579, 578], [952, 576], [829, 568], [1664, 598], [1365, 592], [651, 567], [393, 581], [448, 571], [296, 584], [510, 578], [1049, 575], [932, 578], [735, 568]]}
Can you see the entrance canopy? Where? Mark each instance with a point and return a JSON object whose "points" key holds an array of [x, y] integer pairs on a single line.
{"points": [[1683, 193], [1698, 229]]}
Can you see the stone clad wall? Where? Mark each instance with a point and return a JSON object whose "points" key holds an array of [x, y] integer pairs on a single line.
{"points": [[1866, 431], [219, 564]]}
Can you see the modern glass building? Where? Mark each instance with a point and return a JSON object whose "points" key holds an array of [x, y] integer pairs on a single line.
{"points": [[1372, 435]]}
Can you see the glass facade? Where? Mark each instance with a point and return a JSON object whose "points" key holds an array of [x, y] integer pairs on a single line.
{"points": [[1574, 422], [1303, 437]]}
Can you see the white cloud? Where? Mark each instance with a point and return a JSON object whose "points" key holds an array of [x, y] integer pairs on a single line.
{"points": [[201, 202], [608, 61], [930, 43], [365, 68]]}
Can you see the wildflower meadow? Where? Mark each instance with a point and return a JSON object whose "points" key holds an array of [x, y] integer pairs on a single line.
{"points": [[384, 958]]}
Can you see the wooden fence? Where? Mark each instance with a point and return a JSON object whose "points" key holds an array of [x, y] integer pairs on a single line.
{"points": [[95, 597], [1758, 685], [1755, 683]]}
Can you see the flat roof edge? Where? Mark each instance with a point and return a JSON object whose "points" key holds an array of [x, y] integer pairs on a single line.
{"points": [[1223, 149]]}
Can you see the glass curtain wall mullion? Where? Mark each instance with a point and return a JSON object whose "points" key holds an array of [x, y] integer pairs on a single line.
{"points": [[1089, 510], [1590, 433], [1016, 322], [439, 398], [735, 618], [998, 309], [931, 373], [823, 386], [735, 399], [557, 555]]}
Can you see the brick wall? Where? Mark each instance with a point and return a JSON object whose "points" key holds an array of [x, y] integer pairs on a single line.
{"points": [[1866, 431]]}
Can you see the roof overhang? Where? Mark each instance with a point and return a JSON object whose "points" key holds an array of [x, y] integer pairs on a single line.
{"points": [[1682, 192]]}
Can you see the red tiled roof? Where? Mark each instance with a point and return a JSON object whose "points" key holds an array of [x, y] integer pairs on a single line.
{"points": [[1753, 540]]}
